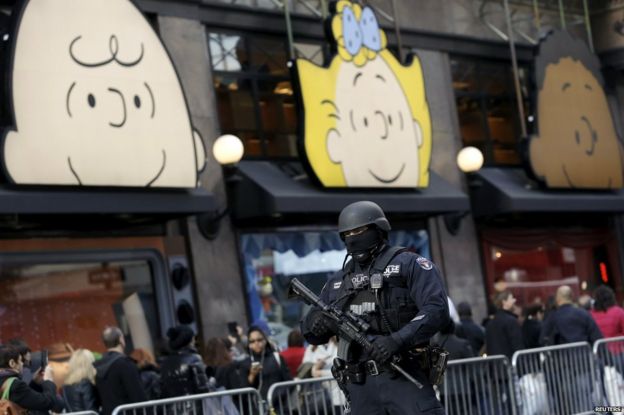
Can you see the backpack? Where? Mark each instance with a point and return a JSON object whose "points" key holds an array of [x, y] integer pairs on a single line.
{"points": [[6, 406]]}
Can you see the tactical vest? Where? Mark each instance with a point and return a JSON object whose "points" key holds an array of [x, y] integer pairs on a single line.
{"points": [[392, 307]]}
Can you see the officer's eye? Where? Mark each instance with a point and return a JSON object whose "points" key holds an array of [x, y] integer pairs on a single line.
{"points": [[91, 100], [137, 101], [366, 121]]}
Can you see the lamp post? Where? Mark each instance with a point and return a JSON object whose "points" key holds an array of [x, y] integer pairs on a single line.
{"points": [[228, 150], [470, 159]]}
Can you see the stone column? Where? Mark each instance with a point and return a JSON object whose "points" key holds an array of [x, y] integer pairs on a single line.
{"points": [[215, 264], [458, 255]]}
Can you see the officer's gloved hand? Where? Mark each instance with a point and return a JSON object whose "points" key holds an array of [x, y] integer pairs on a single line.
{"points": [[384, 347], [320, 325]]}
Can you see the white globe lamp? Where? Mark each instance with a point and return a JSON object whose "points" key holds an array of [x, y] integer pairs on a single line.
{"points": [[228, 149], [470, 159]]}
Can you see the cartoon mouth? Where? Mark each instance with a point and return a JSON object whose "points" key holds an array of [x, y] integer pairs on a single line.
{"points": [[162, 168], [592, 133], [567, 176], [388, 180]]}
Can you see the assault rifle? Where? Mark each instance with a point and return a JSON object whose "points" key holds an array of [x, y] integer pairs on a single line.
{"points": [[350, 327]]}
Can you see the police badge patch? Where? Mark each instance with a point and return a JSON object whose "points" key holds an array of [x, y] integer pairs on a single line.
{"points": [[424, 263], [392, 269]]}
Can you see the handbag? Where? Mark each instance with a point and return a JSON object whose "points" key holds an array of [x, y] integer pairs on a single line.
{"points": [[6, 406]]}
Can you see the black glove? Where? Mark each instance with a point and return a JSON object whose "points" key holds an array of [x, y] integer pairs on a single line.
{"points": [[384, 347], [320, 325]]}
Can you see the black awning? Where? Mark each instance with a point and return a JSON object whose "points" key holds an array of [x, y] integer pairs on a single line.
{"points": [[87, 201], [497, 191], [265, 190]]}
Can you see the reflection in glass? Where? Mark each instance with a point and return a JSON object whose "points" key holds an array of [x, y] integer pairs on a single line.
{"points": [[73, 302]]}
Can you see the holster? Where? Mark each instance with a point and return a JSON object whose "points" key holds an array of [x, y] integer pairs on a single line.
{"points": [[339, 372], [432, 360]]}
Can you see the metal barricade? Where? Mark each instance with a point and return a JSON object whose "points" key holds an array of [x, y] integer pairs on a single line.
{"points": [[480, 386], [81, 413], [558, 380], [244, 401], [609, 355], [317, 396]]}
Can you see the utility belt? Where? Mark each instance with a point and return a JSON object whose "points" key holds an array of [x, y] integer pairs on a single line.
{"points": [[431, 360]]}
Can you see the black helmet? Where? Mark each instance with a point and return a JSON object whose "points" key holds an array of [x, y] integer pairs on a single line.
{"points": [[360, 214]]}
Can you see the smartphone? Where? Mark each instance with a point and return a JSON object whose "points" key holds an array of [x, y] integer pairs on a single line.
{"points": [[232, 328], [44, 359], [255, 365]]}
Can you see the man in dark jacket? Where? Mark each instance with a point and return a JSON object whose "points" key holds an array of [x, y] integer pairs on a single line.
{"points": [[39, 396], [568, 323], [117, 379], [472, 332], [503, 334]]}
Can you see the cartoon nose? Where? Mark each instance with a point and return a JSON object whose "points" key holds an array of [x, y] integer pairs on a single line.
{"points": [[384, 122], [123, 109]]}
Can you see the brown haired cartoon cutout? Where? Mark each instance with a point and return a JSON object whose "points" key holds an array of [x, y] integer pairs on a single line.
{"points": [[577, 145]]}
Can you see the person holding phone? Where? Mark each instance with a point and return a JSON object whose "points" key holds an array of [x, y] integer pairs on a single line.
{"points": [[40, 395], [264, 366]]}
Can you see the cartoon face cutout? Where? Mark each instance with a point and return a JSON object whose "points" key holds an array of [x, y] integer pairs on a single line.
{"points": [[366, 118], [375, 140], [96, 100], [577, 146]]}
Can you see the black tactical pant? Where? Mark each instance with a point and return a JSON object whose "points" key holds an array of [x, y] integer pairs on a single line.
{"points": [[389, 394]]}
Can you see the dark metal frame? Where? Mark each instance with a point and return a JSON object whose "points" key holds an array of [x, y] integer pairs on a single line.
{"points": [[482, 97], [219, 16], [160, 280]]}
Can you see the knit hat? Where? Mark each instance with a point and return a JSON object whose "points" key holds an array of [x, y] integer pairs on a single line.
{"points": [[180, 336]]}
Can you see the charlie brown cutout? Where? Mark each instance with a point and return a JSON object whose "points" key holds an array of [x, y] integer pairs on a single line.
{"points": [[577, 146], [96, 100], [366, 118]]}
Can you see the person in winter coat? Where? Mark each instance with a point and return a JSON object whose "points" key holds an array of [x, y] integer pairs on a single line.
{"points": [[608, 315], [79, 393], [220, 363], [532, 325], [457, 347], [150, 373], [183, 372], [472, 332], [503, 334], [117, 379], [264, 366], [40, 395]]}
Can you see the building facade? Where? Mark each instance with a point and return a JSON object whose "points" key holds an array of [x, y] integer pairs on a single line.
{"points": [[226, 250]]}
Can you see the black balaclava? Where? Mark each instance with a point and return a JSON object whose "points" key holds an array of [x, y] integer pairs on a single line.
{"points": [[363, 246]]}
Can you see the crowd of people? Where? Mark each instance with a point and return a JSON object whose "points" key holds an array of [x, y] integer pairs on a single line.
{"points": [[509, 328], [94, 382], [100, 383]]}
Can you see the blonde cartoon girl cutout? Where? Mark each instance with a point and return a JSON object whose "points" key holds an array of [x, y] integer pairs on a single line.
{"points": [[366, 118]]}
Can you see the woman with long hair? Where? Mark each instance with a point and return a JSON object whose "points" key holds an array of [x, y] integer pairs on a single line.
{"points": [[608, 315], [148, 369], [78, 390], [264, 366]]}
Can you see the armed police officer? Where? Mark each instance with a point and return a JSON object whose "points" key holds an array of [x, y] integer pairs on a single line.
{"points": [[401, 295]]}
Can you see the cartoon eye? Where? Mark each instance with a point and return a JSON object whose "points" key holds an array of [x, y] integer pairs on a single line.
{"points": [[366, 121], [578, 137], [137, 101], [91, 100], [389, 119]]}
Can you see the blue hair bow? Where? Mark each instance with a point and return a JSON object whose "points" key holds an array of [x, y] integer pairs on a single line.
{"points": [[364, 32]]}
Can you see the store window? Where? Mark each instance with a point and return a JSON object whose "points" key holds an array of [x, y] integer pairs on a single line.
{"points": [[534, 263], [272, 260], [49, 300], [487, 110], [254, 92]]}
